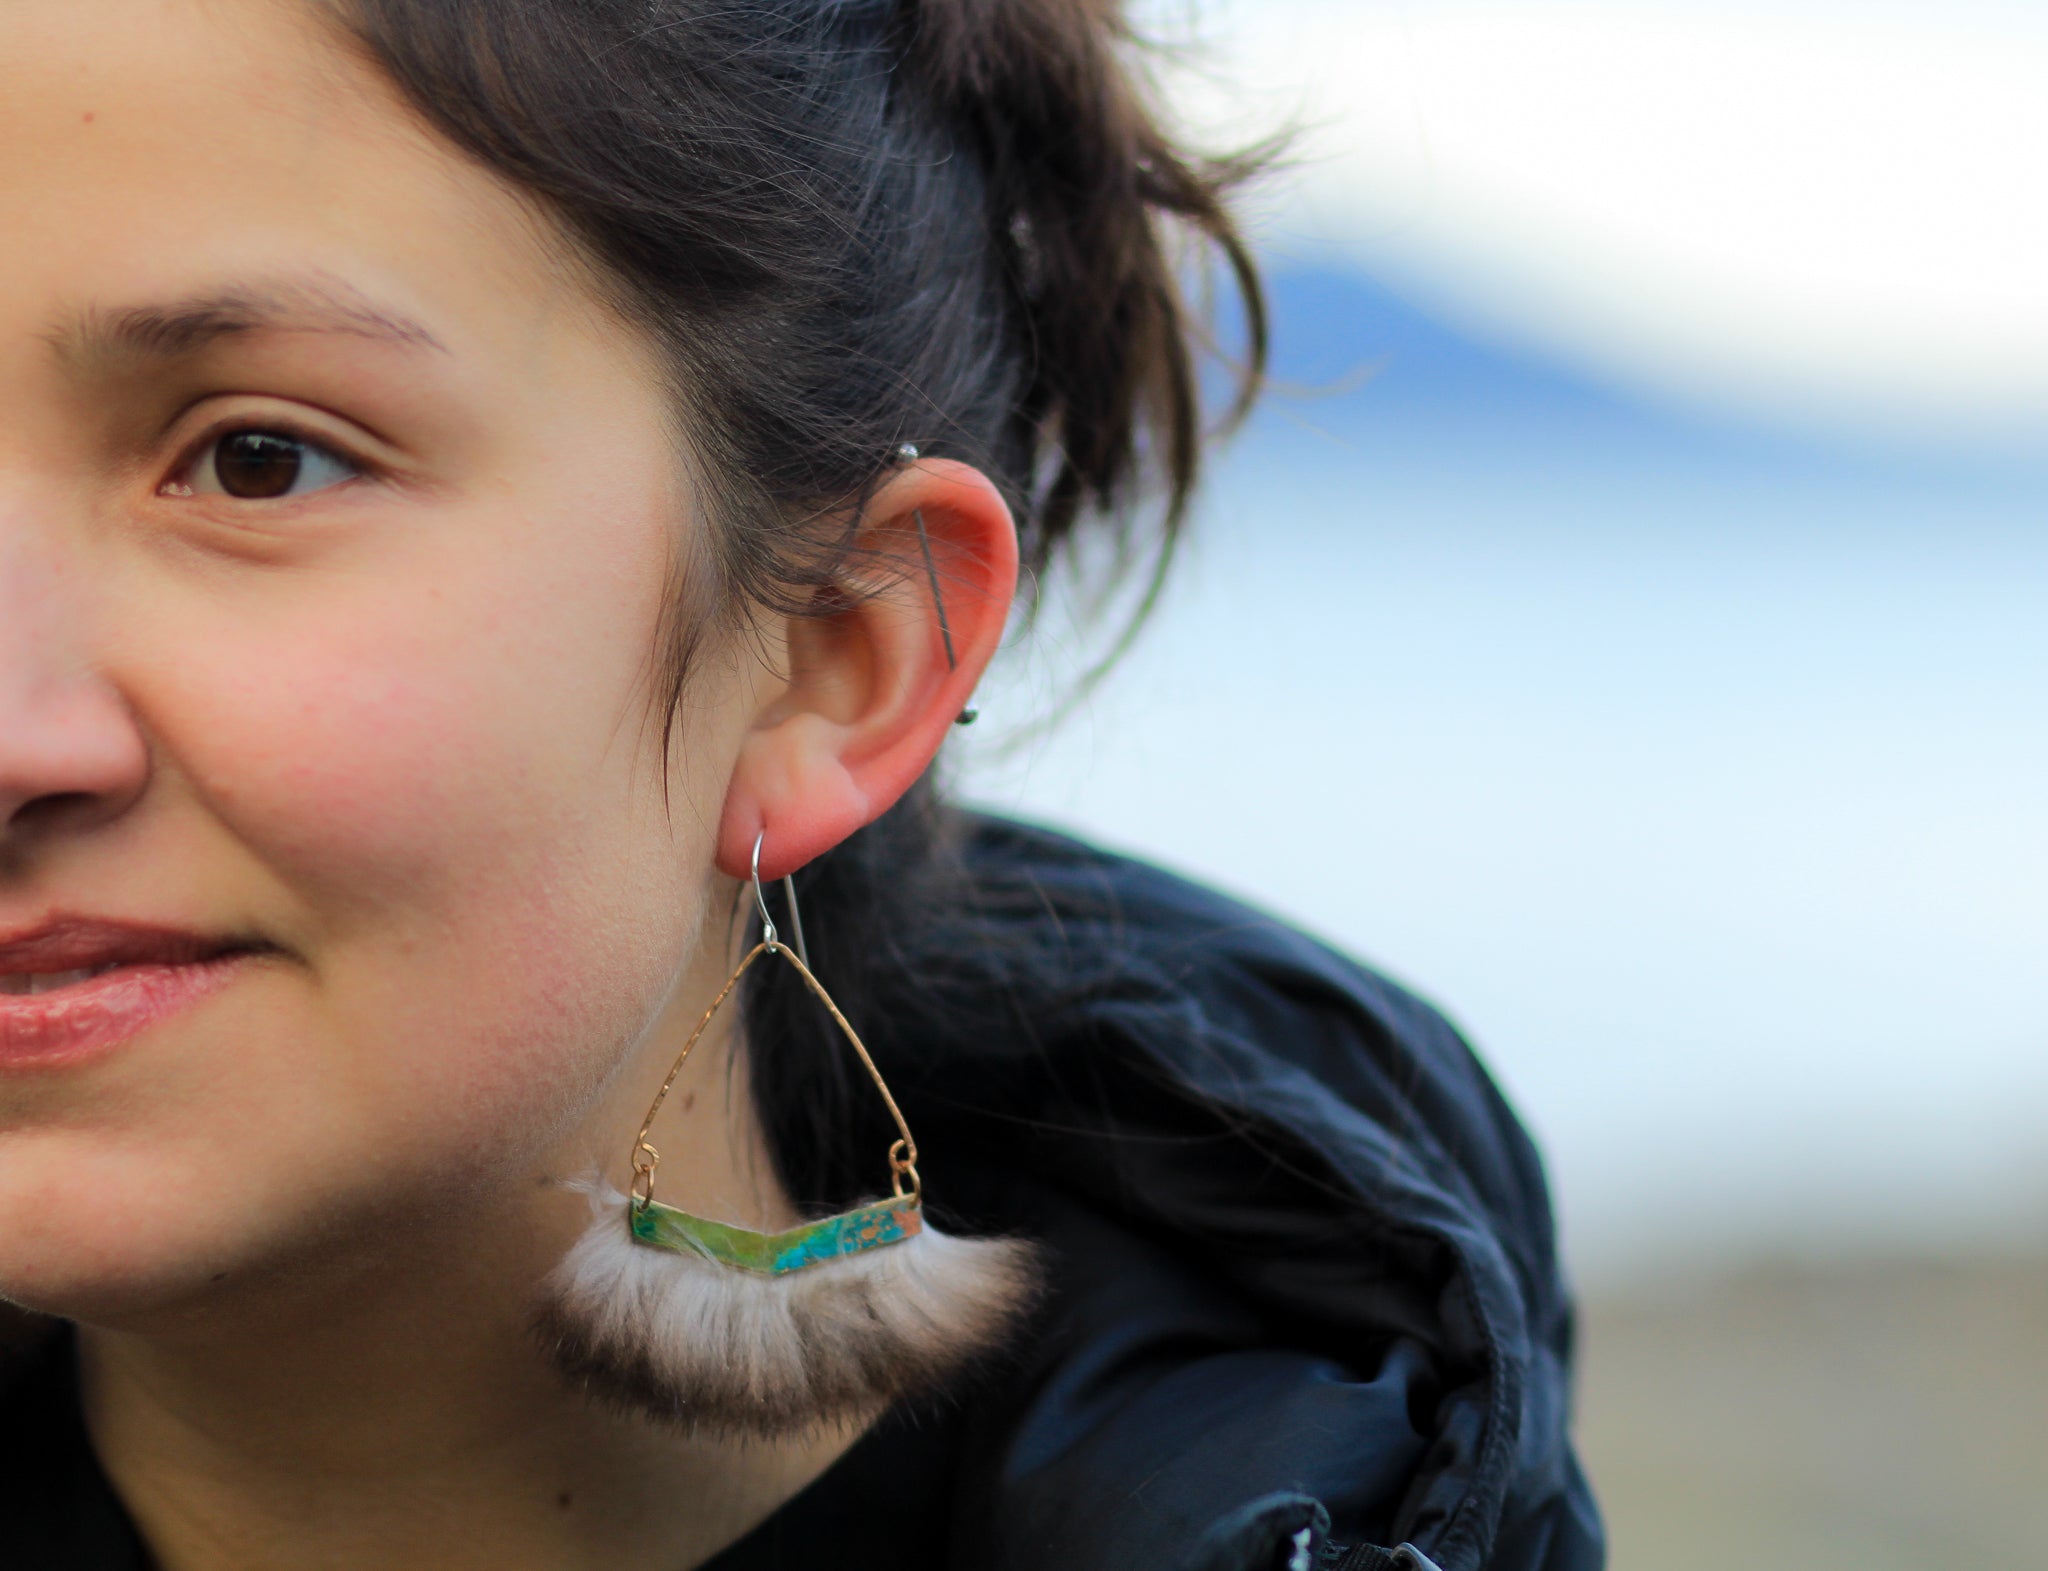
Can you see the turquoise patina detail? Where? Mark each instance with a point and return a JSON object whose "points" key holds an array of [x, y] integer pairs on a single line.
{"points": [[776, 1254]]}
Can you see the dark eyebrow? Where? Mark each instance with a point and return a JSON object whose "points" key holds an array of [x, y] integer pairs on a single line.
{"points": [[177, 329]]}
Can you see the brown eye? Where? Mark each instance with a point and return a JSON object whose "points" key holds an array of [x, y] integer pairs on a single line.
{"points": [[255, 463], [259, 466]]}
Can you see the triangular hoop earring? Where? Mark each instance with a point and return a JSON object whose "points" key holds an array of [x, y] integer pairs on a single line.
{"points": [[721, 1328], [866, 1227]]}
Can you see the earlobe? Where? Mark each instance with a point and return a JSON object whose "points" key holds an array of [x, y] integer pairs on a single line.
{"points": [[793, 792], [867, 707]]}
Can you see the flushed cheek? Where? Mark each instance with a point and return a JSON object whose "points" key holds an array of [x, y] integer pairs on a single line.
{"points": [[444, 705], [487, 900], [364, 765]]}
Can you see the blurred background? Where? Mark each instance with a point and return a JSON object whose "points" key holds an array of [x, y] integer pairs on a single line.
{"points": [[1629, 627]]}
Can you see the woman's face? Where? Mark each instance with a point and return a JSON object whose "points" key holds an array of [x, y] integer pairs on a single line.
{"points": [[335, 524]]}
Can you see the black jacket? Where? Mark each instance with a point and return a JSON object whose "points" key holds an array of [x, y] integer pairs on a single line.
{"points": [[1307, 1273], [1305, 1300]]}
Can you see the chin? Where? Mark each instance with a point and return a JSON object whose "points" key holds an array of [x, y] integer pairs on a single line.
{"points": [[116, 1243]]}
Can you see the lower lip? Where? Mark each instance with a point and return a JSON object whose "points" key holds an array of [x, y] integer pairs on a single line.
{"points": [[49, 1030]]}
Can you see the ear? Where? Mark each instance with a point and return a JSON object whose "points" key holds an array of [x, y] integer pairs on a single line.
{"points": [[871, 691]]}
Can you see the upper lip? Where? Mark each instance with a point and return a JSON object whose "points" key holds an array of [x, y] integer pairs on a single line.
{"points": [[81, 943]]}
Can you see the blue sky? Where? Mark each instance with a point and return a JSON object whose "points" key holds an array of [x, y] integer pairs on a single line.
{"points": [[1693, 760]]}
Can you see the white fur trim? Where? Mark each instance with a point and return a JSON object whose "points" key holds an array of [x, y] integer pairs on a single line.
{"points": [[723, 1350]]}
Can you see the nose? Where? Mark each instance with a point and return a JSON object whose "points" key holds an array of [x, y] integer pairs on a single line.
{"points": [[71, 751]]}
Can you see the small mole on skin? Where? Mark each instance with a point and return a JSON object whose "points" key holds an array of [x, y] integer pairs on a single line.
{"points": [[564, 1499], [689, 1100], [220, 1276]]}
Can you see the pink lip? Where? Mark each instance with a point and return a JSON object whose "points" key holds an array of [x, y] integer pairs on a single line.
{"points": [[158, 973]]}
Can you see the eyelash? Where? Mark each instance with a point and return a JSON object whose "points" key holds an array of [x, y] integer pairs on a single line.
{"points": [[179, 483]]}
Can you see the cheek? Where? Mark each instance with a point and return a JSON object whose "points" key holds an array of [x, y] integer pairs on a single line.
{"points": [[359, 761], [431, 727], [456, 816], [446, 808]]}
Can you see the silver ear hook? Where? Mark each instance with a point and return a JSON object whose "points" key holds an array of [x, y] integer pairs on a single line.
{"points": [[907, 453], [769, 935]]}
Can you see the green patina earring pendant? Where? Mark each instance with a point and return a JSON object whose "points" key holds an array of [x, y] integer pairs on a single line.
{"points": [[872, 1226], [777, 1254]]}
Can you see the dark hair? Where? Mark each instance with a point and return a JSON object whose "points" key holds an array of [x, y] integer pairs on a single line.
{"points": [[851, 224]]}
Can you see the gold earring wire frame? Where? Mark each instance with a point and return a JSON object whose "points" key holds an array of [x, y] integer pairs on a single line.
{"points": [[902, 1154]]}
